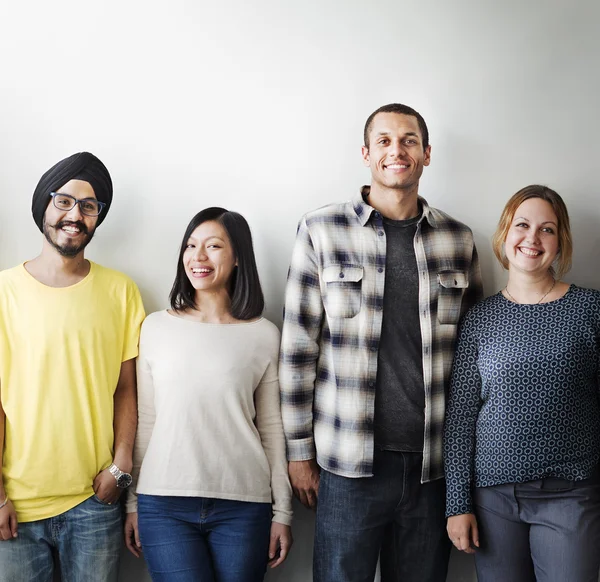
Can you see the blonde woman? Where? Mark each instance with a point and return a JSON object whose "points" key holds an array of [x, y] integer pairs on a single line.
{"points": [[522, 433]]}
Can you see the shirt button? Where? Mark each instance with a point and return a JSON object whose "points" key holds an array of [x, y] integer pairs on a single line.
{"points": [[380, 270], [376, 214], [371, 384], [341, 275], [380, 233], [373, 348]]}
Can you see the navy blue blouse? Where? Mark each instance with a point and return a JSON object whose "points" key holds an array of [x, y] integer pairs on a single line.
{"points": [[524, 399]]}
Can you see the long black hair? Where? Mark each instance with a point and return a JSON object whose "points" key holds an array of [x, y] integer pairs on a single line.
{"points": [[247, 300]]}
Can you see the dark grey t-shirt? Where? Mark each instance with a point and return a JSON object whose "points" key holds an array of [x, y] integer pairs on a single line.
{"points": [[400, 393]]}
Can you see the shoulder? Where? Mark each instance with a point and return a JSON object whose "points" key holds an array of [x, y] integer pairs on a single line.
{"points": [[115, 281], [484, 309], [583, 298], [592, 295], [341, 213], [268, 332], [155, 326], [156, 319], [112, 276], [10, 276], [444, 221]]}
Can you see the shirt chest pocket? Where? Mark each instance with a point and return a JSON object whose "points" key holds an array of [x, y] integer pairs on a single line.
{"points": [[451, 288], [342, 290]]}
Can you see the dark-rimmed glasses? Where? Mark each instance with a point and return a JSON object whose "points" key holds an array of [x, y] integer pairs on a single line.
{"points": [[66, 202]]}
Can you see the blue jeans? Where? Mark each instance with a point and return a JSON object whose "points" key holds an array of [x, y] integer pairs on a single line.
{"points": [[87, 540], [546, 530], [390, 515], [198, 539]]}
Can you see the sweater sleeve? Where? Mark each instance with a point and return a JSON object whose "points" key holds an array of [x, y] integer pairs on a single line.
{"points": [[146, 419], [270, 428], [462, 411]]}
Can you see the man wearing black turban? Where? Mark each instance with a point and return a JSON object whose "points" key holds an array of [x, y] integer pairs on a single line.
{"points": [[83, 167], [69, 331]]}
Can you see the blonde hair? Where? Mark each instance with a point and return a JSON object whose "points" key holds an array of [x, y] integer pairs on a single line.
{"points": [[565, 242]]}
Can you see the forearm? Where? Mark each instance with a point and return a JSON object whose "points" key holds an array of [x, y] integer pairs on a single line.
{"points": [[125, 417], [297, 392], [268, 423], [300, 346]]}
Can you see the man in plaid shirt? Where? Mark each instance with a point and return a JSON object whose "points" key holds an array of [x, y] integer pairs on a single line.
{"points": [[375, 291]]}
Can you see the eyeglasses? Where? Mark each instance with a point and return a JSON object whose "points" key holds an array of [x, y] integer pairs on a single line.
{"points": [[88, 206]]}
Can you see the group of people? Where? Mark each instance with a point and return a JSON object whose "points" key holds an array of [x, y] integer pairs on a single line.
{"points": [[410, 413]]}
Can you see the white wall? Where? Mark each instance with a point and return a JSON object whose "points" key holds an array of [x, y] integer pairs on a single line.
{"points": [[259, 107]]}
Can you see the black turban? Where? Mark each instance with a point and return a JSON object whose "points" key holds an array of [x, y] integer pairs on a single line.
{"points": [[81, 166]]}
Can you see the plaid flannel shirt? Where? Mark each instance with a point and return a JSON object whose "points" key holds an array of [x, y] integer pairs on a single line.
{"points": [[332, 327]]}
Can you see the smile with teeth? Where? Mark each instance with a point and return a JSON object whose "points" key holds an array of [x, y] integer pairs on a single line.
{"points": [[201, 271], [530, 252], [71, 229], [397, 167]]}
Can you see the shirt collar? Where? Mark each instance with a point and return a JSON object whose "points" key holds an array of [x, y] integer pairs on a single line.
{"points": [[363, 210]]}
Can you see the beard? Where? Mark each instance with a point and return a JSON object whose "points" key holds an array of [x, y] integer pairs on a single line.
{"points": [[68, 249]]}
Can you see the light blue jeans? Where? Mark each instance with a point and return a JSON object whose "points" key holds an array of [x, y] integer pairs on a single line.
{"points": [[87, 540]]}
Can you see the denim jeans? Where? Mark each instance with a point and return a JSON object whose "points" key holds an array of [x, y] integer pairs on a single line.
{"points": [[390, 515], [198, 539], [546, 530], [87, 540]]}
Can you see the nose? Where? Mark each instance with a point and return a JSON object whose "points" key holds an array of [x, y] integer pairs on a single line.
{"points": [[75, 214], [200, 254], [397, 148]]}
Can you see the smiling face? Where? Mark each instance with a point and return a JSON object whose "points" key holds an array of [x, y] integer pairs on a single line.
{"points": [[208, 258], [395, 154], [531, 244], [69, 232]]}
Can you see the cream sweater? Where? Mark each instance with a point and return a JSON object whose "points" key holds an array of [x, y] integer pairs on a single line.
{"points": [[209, 415]]}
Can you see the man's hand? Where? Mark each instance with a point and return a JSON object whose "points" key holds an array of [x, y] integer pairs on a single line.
{"points": [[132, 534], [105, 487], [8, 522], [280, 543], [463, 532], [304, 477]]}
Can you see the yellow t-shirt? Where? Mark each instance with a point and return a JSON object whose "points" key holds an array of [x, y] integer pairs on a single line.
{"points": [[61, 351]]}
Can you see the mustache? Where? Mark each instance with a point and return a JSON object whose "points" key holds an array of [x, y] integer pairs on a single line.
{"points": [[80, 225]]}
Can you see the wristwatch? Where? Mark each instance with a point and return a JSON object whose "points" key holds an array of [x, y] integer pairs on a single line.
{"points": [[123, 479]]}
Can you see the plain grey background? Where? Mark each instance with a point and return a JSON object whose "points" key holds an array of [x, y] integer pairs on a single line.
{"points": [[259, 107]]}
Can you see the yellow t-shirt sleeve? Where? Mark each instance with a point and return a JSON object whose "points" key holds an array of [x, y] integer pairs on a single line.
{"points": [[133, 322]]}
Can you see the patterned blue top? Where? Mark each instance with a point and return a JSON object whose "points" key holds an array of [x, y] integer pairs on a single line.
{"points": [[524, 399]]}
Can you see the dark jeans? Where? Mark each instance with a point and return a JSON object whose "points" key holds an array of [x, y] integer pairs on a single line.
{"points": [[391, 514], [87, 539], [546, 530], [197, 539]]}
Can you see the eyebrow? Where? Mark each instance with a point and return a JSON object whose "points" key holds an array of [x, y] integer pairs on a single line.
{"points": [[408, 133], [207, 238], [527, 219]]}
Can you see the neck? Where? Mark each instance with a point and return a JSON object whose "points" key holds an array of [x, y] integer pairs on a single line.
{"points": [[393, 203], [212, 307], [55, 270], [529, 288]]}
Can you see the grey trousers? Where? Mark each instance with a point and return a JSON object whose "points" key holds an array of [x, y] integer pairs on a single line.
{"points": [[546, 530]]}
